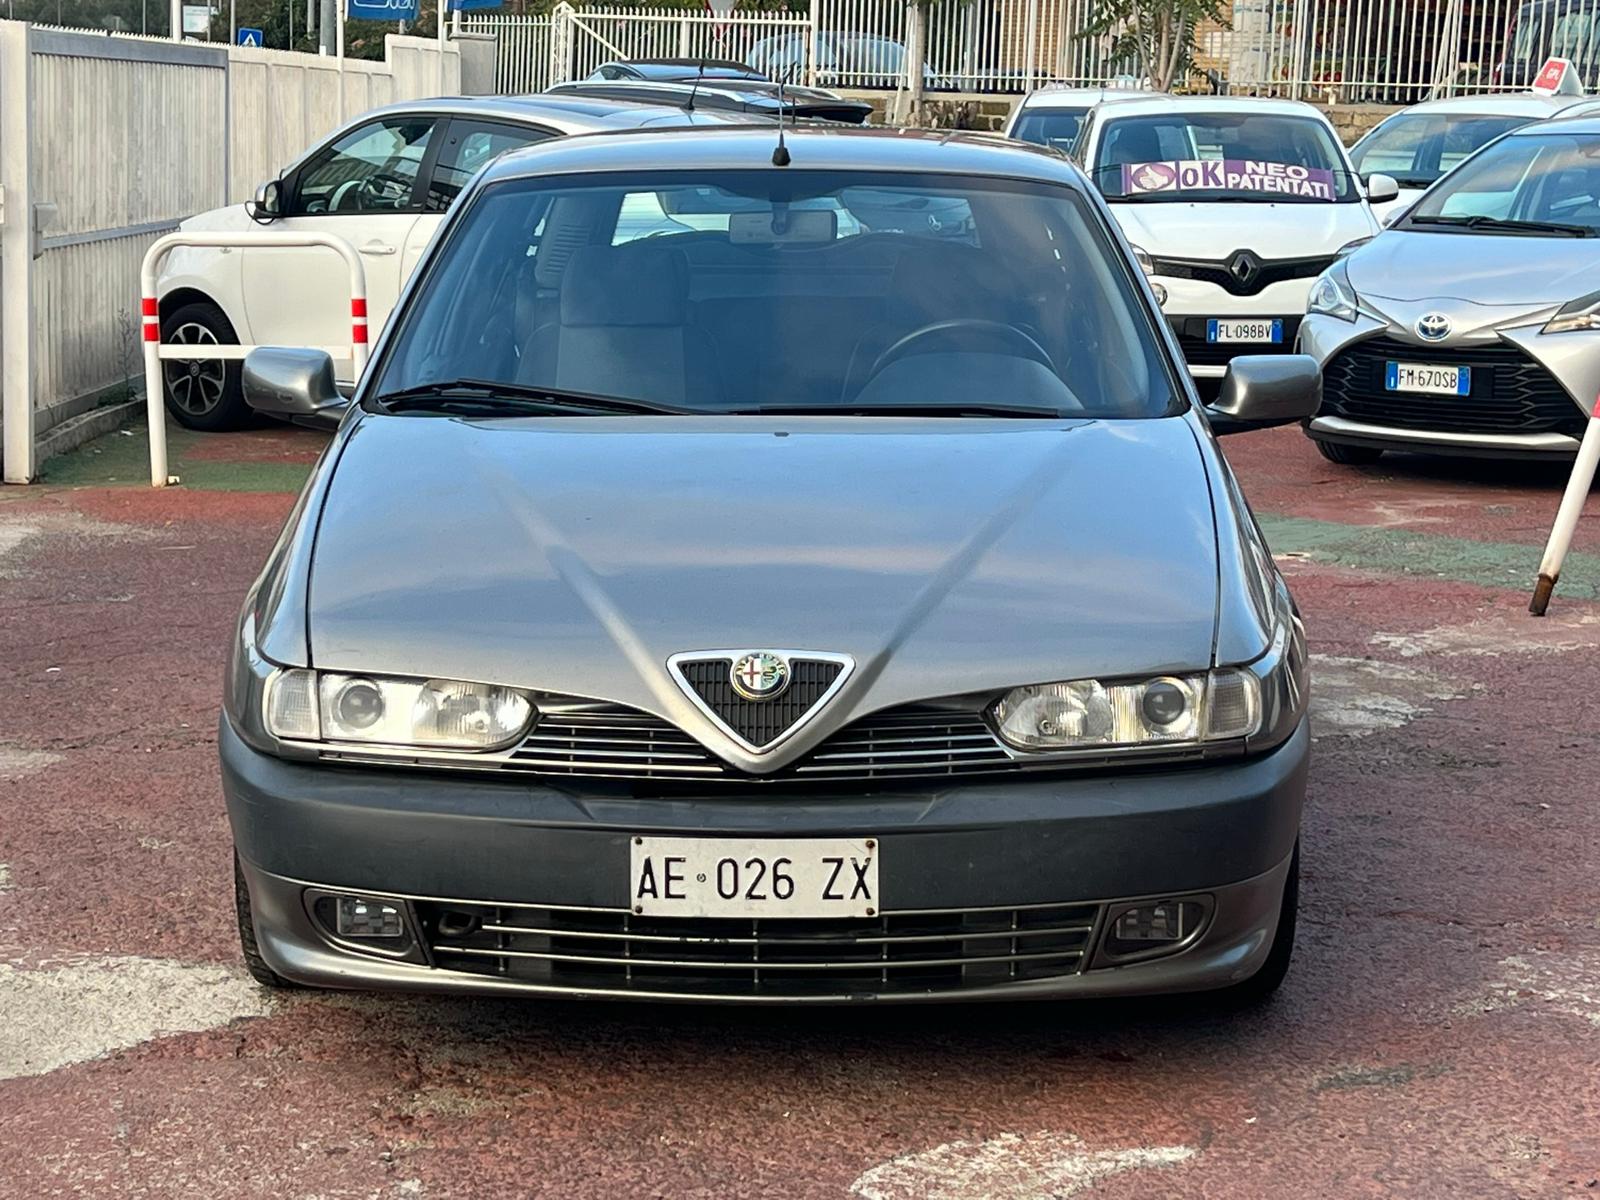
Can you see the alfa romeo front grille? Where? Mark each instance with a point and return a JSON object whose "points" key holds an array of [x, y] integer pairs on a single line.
{"points": [[760, 722], [610, 740], [896, 953], [1511, 393]]}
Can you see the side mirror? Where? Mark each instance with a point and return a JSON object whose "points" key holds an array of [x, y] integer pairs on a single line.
{"points": [[293, 384], [269, 201], [1382, 188], [1393, 216], [1263, 390]]}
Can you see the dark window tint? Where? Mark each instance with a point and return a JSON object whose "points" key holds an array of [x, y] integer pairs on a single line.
{"points": [[373, 168], [468, 146]]}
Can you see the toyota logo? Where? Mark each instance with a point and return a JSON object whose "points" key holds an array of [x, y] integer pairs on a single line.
{"points": [[1433, 327], [759, 675]]}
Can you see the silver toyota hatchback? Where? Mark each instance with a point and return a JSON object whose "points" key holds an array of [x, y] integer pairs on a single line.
{"points": [[1472, 326], [771, 573]]}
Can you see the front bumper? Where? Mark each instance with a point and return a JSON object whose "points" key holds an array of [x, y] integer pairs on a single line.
{"points": [[963, 851]]}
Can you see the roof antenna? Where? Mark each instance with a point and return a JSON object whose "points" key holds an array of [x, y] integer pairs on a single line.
{"points": [[688, 105], [780, 156]]}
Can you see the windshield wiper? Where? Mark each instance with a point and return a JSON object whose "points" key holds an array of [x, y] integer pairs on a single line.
{"points": [[489, 397], [902, 410], [1482, 221]]}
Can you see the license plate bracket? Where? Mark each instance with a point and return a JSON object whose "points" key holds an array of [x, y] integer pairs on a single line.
{"points": [[1263, 330], [1429, 379], [801, 878]]}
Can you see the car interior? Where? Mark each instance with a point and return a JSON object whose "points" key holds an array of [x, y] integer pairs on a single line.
{"points": [[856, 295]]}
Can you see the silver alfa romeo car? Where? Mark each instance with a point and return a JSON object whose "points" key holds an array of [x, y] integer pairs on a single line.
{"points": [[807, 601], [1472, 326]]}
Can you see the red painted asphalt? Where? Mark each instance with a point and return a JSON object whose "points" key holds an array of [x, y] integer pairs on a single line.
{"points": [[1439, 1034]]}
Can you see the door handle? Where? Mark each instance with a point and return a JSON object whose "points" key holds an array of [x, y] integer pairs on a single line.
{"points": [[377, 248]]}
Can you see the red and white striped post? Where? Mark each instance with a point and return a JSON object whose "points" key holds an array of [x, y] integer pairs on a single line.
{"points": [[1578, 484], [154, 351]]}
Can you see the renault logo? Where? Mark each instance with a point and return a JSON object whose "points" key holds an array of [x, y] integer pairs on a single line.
{"points": [[1433, 327], [759, 675], [1244, 266]]}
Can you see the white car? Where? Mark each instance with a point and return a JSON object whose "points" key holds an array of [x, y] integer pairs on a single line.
{"points": [[383, 182], [1234, 206], [1419, 144], [1053, 115]]}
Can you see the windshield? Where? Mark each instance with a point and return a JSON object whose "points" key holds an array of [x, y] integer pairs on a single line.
{"points": [[1547, 179], [1417, 149], [1054, 127], [1192, 156], [765, 289]]}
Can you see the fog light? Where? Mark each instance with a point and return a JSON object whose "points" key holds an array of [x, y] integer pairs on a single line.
{"points": [[360, 917], [1152, 928]]}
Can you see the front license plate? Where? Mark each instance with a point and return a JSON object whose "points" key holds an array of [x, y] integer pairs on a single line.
{"points": [[1263, 330], [1427, 377], [754, 877]]}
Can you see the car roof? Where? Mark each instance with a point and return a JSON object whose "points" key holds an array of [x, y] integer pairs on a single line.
{"points": [[570, 114], [1078, 97], [682, 68], [1162, 102], [1508, 104], [1585, 125], [841, 147]]}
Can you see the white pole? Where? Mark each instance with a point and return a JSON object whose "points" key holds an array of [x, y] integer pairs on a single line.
{"points": [[1555, 551], [177, 20], [441, 47], [338, 41]]}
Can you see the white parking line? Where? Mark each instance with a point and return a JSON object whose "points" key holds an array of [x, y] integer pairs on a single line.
{"points": [[1010, 1166]]}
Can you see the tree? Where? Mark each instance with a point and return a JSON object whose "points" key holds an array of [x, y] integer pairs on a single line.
{"points": [[1160, 34]]}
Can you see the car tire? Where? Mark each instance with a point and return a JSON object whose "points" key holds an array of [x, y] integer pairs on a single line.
{"points": [[253, 962], [202, 394], [1259, 988], [1349, 456]]}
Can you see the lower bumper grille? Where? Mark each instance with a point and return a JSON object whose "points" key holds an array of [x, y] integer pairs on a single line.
{"points": [[1198, 352], [1511, 393], [894, 954]]}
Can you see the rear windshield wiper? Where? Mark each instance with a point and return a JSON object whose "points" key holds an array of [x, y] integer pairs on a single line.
{"points": [[1483, 221], [489, 397], [902, 410]]}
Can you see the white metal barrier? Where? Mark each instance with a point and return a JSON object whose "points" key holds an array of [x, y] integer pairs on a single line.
{"points": [[155, 352]]}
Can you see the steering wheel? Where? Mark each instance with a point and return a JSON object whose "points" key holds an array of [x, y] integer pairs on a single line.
{"points": [[971, 330], [343, 192]]}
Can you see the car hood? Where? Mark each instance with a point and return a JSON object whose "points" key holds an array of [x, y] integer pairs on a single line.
{"points": [[1511, 272], [574, 555], [1174, 229]]}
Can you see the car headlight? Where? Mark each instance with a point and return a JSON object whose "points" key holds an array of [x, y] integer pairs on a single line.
{"points": [[1142, 257], [1580, 314], [1332, 295], [1169, 708], [444, 714]]}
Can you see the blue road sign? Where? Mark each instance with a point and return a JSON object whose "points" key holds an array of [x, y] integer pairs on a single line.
{"points": [[250, 37]]}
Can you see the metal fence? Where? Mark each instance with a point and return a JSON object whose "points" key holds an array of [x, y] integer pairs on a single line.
{"points": [[1341, 51], [106, 143]]}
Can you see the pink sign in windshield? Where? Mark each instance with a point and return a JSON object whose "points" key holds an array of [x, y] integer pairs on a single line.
{"points": [[1228, 175]]}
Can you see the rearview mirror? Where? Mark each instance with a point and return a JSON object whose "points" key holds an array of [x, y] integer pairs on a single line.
{"points": [[293, 384], [1382, 188], [1264, 390]]}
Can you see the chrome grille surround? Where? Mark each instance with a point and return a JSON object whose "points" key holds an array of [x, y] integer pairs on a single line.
{"points": [[897, 953]]}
